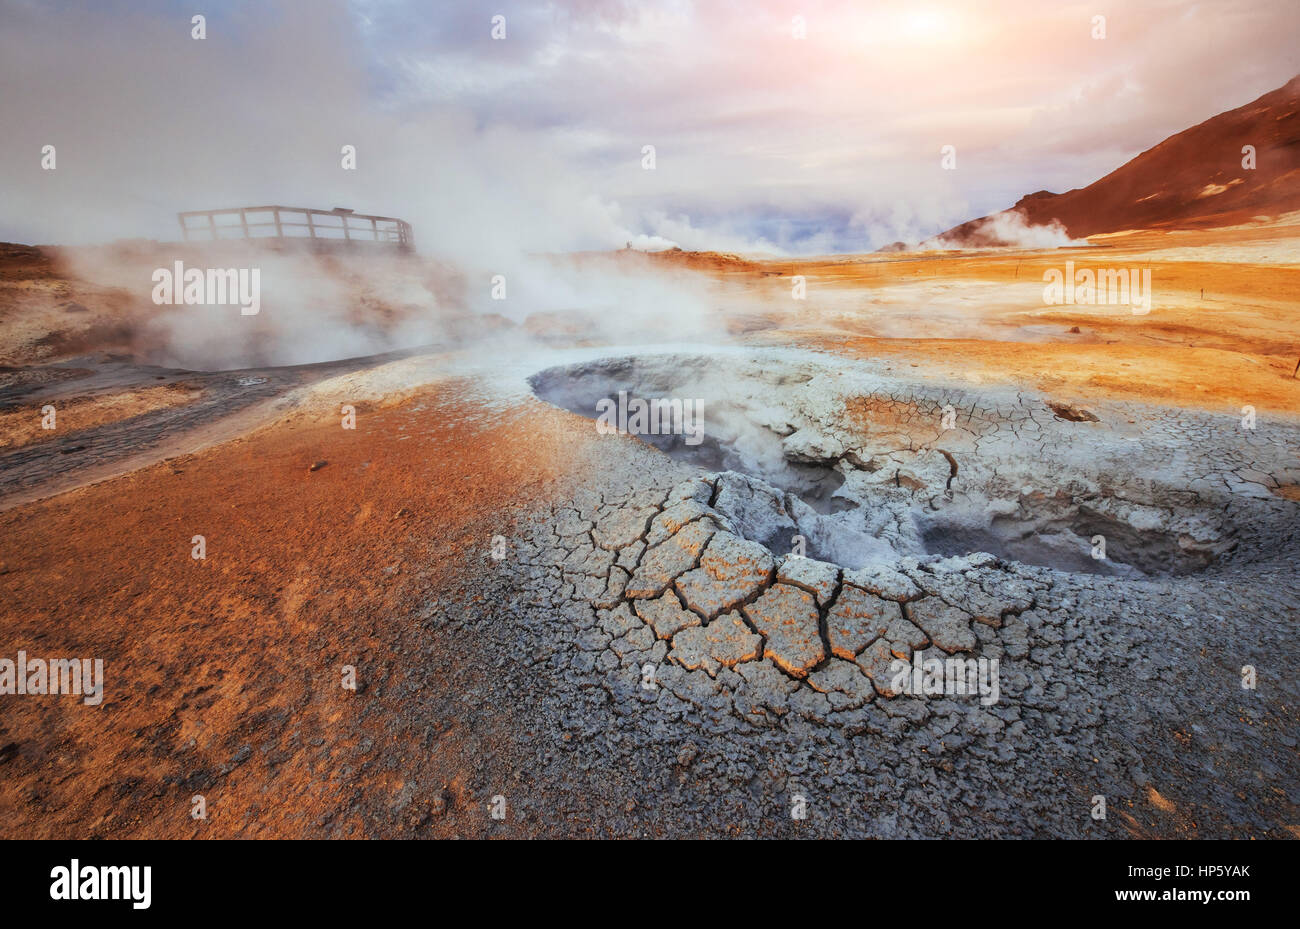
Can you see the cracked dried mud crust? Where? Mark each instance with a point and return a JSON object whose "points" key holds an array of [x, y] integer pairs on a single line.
{"points": [[780, 668]]}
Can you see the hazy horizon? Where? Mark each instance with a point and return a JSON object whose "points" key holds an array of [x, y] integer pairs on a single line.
{"points": [[764, 142]]}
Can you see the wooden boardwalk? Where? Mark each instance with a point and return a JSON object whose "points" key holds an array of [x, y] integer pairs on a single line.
{"points": [[294, 223]]}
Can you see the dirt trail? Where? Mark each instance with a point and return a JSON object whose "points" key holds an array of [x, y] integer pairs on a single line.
{"points": [[121, 437]]}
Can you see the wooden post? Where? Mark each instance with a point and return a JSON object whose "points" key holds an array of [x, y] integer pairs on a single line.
{"points": [[374, 228], [311, 226], [185, 230], [346, 235], [279, 232], [212, 225], [243, 221]]}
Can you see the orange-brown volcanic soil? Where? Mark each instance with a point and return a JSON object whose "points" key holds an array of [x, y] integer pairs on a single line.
{"points": [[223, 675], [1223, 330]]}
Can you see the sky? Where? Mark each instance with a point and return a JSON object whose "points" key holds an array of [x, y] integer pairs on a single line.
{"points": [[777, 127]]}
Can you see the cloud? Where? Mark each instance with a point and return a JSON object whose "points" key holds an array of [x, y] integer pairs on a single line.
{"points": [[495, 149]]}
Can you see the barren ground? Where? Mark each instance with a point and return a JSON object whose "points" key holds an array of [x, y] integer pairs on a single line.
{"points": [[520, 677]]}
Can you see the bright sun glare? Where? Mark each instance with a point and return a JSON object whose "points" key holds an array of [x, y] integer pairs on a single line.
{"points": [[926, 23]]}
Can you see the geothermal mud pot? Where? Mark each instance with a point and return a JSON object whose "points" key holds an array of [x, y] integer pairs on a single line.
{"points": [[692, 654]]}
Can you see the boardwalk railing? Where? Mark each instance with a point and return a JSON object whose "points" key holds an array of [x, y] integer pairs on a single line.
{"points": [[292, 222]]}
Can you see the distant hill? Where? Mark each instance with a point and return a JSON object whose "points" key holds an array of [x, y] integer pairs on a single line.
{"points": [[1194, 179]]}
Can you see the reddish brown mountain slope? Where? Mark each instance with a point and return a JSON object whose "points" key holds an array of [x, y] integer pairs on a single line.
{"points": [[1194, 179]]}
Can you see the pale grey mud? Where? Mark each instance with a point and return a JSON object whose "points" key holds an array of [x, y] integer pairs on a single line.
{"points": [[1128, 567]]}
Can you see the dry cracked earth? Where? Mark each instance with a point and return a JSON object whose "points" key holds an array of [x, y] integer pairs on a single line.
{"points": [[709, 673]]}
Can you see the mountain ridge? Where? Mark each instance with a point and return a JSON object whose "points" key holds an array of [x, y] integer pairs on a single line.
{"points": [[1196, 178]]}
